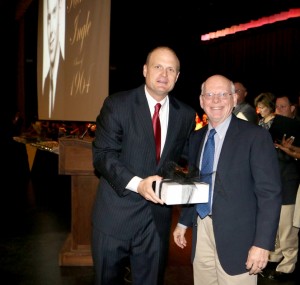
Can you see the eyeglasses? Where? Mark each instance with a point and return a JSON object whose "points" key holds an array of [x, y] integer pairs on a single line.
{"points": [[282, 106], [221, 95]]}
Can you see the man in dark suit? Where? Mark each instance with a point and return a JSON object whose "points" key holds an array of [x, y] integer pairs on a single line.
{"points": [[243, 109], [51, 98], [232, 243], [129, 219], [283, 260]]}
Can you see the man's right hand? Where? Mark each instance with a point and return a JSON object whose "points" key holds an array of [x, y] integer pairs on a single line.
{"points": [[179, 236], [145, 189]]}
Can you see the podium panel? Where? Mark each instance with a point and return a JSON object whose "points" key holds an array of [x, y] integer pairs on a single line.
{"points": [[75, 159]]}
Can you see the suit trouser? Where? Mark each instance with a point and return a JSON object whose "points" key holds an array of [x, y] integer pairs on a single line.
{"points": [[111, 254], [286, 246], [206, 265]]}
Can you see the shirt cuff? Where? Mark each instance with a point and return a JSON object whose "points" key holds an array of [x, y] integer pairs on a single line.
{"points": [[182, 226], [134, 183]]}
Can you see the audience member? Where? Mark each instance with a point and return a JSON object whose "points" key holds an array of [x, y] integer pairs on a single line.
{"points": [[129, 219], [282, 261], [285, 107], [243, 109], [231, 244]]}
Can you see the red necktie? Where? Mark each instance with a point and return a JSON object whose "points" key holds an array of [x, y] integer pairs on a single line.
{"points": [[157, 131]]}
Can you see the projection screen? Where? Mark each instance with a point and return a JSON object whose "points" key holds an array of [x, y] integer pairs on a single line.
{"points": [[73, 58]]}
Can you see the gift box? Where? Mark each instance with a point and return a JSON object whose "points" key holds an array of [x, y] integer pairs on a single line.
{"points": [[173, 193]]}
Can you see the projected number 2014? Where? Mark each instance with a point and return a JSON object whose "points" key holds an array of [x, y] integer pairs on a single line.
{"points": [[80, 84]]}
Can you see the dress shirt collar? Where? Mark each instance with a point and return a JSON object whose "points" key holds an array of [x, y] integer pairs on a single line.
{"points": [[152, 102], [222, 128]]}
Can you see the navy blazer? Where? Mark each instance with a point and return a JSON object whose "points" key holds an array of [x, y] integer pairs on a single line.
{"points": [[247, 193], [124, 147]]}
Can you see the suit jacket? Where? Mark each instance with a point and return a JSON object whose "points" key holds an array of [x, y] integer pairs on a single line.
{"points": [[289, 170], [282, 125], [247, 193], [124, 147], [43, 99]]}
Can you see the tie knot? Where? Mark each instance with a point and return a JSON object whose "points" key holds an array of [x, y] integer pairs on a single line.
{"points": [[157, 107], [212, 132]]}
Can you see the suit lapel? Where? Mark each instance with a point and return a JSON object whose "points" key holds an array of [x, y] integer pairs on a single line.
{"points": [[196, 146], [227, 149], [173, 127], [143, 115]]}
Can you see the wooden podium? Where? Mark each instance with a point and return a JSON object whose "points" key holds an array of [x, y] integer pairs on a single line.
{"points": [[75, 159]]}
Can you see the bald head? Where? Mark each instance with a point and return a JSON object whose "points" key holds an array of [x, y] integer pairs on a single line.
{"points": [[218, 98]]}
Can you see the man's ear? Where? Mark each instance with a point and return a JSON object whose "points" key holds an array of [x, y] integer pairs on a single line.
{"points": [[145, 70], [201, 101], [293, 108]]}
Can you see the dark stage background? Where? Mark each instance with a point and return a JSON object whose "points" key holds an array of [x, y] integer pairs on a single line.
{"points": [[265, 58]]}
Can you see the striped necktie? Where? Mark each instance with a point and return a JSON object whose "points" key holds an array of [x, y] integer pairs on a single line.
{"points": [[206, 172]]}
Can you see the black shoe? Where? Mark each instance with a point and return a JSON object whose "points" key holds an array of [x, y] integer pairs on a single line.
{"points": [[268, 270], [271, 265], [280, 276]]}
